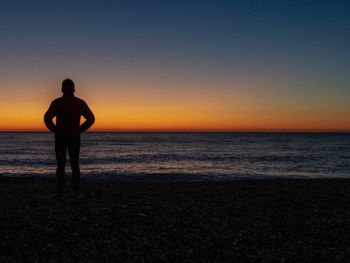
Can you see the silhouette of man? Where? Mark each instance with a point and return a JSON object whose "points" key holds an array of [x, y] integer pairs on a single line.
{"points": [[68, 109]]}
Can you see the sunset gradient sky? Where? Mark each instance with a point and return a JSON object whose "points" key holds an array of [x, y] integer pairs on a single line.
{"points": [[179, 65]]}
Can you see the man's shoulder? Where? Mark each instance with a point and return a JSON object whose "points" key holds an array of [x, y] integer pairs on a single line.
{"points": [[57, 100], [79, 100]]}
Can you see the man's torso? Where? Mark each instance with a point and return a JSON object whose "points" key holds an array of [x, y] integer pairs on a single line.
{"points": [[68, 113]]}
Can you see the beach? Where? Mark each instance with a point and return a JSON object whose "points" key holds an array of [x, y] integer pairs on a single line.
{"points": [[245, 220]]}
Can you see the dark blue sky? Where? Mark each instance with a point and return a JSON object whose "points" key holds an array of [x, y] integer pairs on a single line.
{"points": [[213, 29]]}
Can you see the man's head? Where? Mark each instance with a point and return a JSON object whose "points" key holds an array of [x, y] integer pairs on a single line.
{"points": [[68, 86]]}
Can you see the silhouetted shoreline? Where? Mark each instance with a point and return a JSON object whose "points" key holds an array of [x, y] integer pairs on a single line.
{"points": [[249, 220]]}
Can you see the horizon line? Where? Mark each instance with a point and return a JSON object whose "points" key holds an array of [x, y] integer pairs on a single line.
{"points": [[187, 131]]}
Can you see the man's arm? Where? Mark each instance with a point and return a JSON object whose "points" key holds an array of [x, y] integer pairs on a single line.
{"points": [[49, 115], [89, 116]]}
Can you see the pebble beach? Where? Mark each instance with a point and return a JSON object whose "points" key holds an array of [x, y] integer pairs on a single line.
{"points": [[240, 221]]}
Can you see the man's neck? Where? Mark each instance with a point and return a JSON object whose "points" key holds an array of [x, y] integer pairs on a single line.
{"points": [[68, 95]]}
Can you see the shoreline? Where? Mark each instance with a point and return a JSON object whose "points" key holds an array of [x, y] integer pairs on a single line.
{"points": [[165, 178]]}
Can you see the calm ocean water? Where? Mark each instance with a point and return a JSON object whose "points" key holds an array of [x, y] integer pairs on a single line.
{"points": [[183, 156]]}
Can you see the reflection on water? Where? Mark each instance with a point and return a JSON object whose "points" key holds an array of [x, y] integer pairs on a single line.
{"points": [[183, 156]]}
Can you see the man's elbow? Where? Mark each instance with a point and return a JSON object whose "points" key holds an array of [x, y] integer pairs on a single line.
{"points": [[92, 120], [47, 119], [89, 122]]}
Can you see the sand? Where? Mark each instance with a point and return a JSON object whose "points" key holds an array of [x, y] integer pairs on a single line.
{"points": [[251, 220]]}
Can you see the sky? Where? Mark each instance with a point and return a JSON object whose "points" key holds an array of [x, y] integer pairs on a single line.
{"points": [[179, 65]]}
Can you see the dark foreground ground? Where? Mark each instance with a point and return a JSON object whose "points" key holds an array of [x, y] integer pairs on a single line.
{"points": [[257, 221]]}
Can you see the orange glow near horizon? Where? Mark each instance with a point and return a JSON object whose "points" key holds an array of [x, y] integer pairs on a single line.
{"points": [[178, 108], [171, 118]]}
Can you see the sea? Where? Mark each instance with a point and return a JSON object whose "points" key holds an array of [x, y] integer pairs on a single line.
{"points": [[183, 156]]}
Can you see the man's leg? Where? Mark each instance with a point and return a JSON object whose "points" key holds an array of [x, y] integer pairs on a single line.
{"points": [[74, 150], [61, 150]]}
